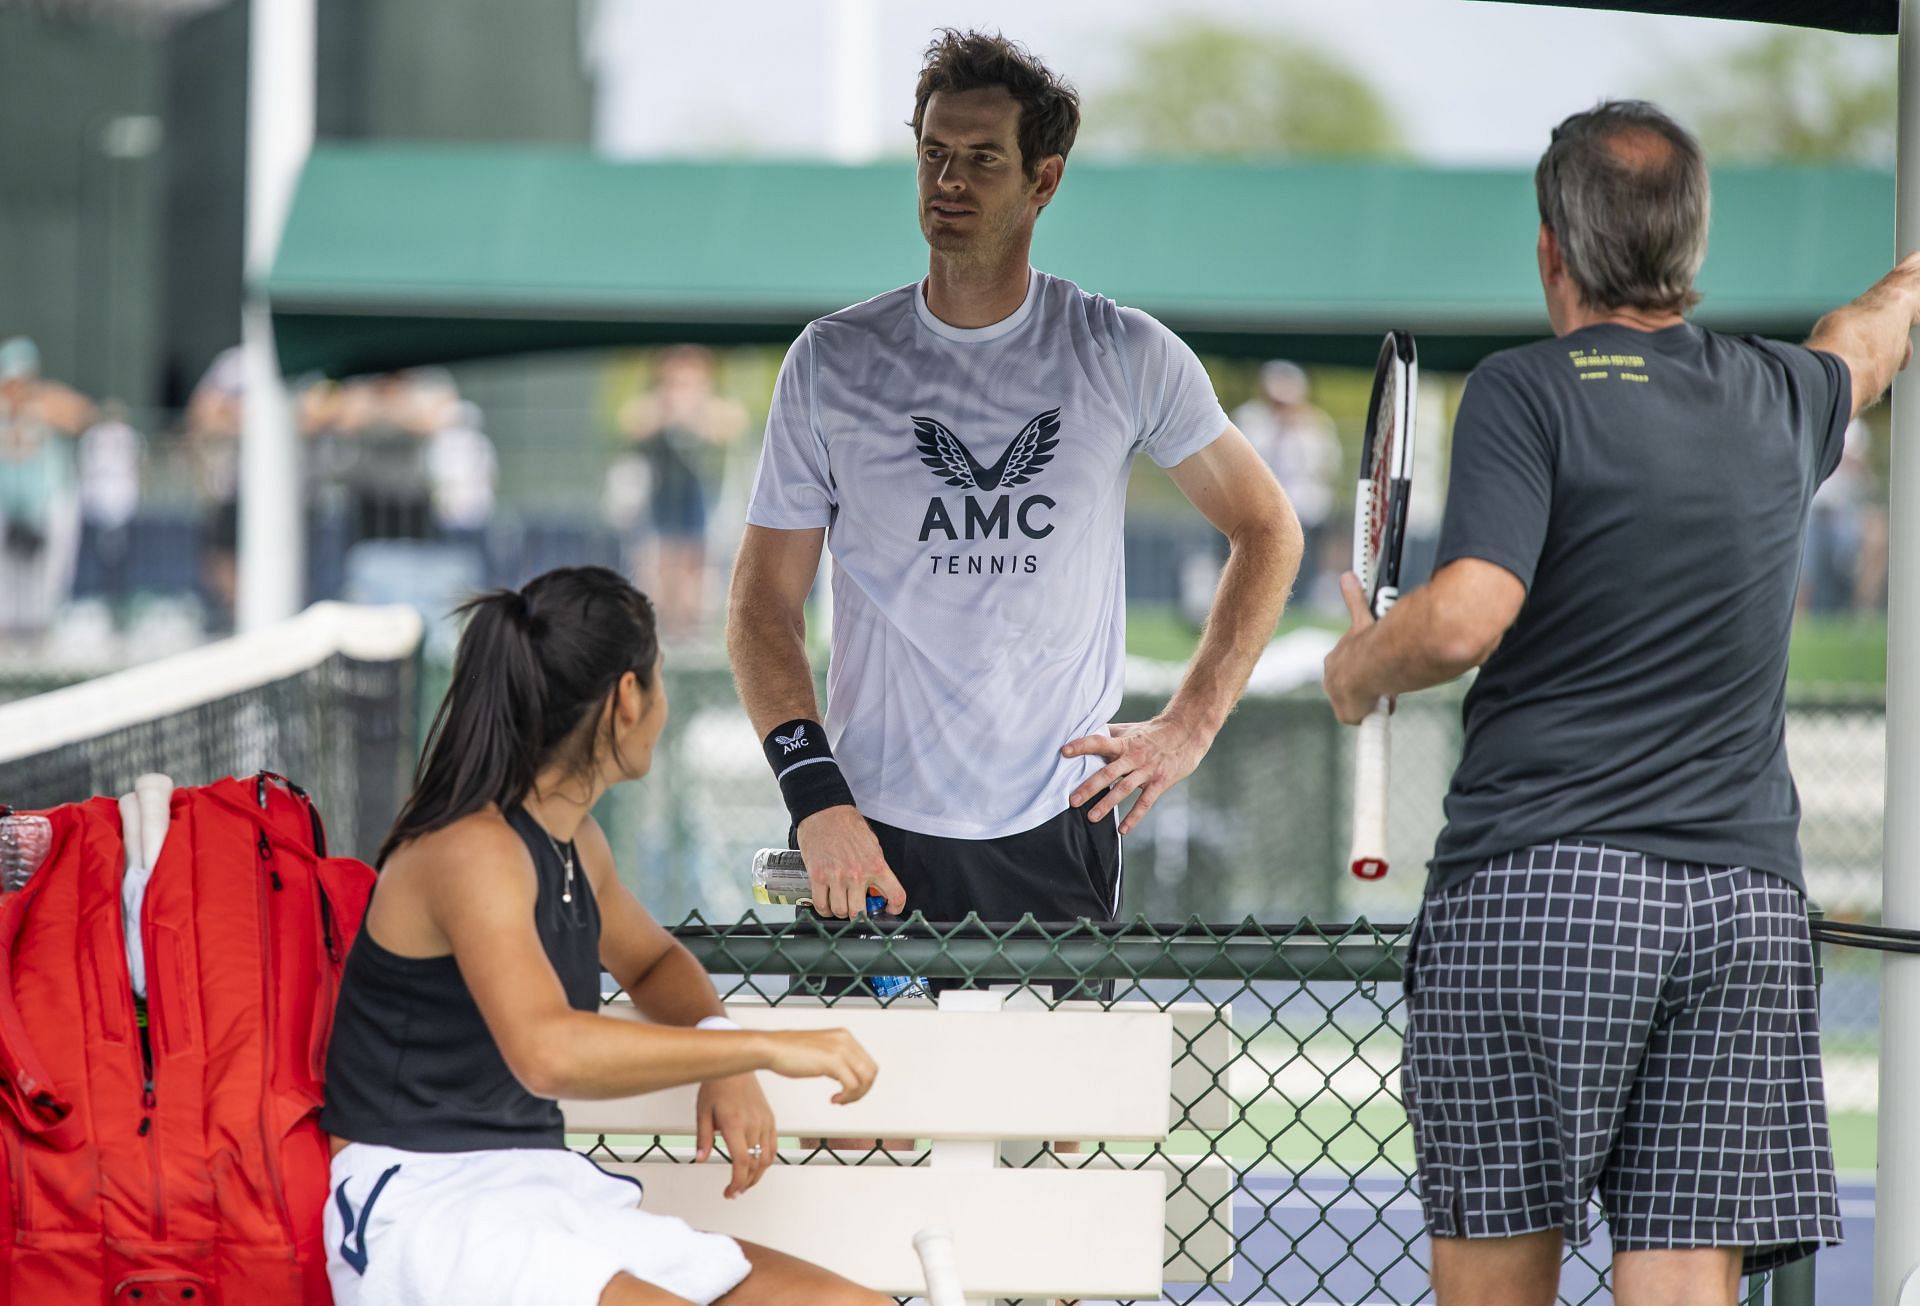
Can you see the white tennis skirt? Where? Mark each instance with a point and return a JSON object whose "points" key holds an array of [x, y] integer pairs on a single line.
{"points": [[508, 1227]]}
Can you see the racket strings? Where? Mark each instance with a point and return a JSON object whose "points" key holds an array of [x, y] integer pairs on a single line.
{"points": [[1380, 445]]}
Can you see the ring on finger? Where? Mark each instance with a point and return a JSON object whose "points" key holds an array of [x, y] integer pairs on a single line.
{"points": [[754, 1151]]}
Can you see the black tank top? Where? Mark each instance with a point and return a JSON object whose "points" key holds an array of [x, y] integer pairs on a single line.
{"points": [[412, 1064]]}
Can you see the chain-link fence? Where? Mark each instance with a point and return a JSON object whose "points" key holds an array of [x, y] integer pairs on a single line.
{"points": [[1310, 1174], [1294, 1161], [1260, 829], [1290, 1168]]}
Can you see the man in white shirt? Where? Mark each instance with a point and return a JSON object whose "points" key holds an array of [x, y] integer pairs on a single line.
{"points": [[966, 441]]}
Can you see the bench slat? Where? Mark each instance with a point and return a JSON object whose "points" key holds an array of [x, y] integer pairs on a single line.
{"points": [[1017, 1233], [960, 1075], [1197, 1228], [1202, 1049]]}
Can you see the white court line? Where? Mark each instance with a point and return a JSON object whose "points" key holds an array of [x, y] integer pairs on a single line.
{"points": [[1850, 1208], [1368, 1076]]}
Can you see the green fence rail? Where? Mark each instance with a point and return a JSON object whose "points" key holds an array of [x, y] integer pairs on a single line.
{"points": [[1291, 1171]]}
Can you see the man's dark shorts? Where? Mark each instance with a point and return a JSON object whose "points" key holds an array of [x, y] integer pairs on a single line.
{"points": [[1062, 870], [1059, 871], [1583, 1018]]}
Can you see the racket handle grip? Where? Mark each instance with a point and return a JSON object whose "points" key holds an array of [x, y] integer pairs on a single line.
{"points": [[936, 1259], [153, 795], [1368, 859]]}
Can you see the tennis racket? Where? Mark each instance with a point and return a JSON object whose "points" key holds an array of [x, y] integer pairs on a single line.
{"points": [[936, 1259], [1379, 531]]}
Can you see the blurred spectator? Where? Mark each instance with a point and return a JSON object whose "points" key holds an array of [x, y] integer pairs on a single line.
{"points": [[58, 407], [1870, 578], [327, 459], [1831, 572], [679, 429], [1297, 441], [39, 510], [214, 415], [109, 460], [464, 469], [625, 492], [1427, 503], [387, 421]]}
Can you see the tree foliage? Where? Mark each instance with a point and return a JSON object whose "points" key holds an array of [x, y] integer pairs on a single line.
{"points": [[1211, 90], [1792, 97]]}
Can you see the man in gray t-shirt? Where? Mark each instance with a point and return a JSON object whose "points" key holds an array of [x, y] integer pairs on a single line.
{"points": [[1649, 491], [1611, 983]]}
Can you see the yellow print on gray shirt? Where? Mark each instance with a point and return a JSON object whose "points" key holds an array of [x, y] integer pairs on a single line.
{"points": [[1592, 365]]}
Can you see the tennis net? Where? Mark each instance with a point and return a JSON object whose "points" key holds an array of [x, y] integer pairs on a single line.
{"points": [[329, 698]]}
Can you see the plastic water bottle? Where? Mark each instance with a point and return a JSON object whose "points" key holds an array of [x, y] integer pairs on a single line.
{"points": [[780, 880], [25, 842], [887, 987]]}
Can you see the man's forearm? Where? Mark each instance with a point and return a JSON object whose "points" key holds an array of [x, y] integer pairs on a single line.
{"points": [[770, 667], [1412, 647], [1871, 333], [1261, 565]]}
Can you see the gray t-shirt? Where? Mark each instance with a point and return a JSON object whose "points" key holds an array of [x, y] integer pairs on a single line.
{"points": [[1650, 490]]}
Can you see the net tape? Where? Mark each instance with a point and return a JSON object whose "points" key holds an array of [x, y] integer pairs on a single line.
{"points": [[328, 698]]}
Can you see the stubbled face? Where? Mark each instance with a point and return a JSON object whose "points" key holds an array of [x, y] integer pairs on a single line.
{"points": [[975, 199]]}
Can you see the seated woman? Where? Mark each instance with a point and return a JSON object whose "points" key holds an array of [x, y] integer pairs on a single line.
{"points": [[471, 1000]]}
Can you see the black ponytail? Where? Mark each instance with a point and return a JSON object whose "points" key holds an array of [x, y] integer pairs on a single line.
{"points": [[532, 665]]}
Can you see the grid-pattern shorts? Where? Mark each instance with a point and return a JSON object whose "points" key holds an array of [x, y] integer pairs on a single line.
{"points": [[1581, 1017]]}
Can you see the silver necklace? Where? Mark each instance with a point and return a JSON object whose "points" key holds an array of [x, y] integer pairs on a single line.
{"points": [[566, 859]]}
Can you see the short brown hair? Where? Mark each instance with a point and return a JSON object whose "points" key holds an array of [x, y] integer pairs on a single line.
{"points": [[972, 61], [1624, 189]]}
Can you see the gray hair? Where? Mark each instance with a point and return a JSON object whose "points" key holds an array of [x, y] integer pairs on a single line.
{"points": [[1623, 187]]}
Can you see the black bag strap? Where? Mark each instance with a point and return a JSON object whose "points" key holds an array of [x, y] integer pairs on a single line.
{"points": [[313, 813]]}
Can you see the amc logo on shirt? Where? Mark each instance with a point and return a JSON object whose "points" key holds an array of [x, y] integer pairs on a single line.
{"points": [[982, 513]]}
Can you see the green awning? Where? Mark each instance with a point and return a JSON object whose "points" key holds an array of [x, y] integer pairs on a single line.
{"points": [[395, 256]]}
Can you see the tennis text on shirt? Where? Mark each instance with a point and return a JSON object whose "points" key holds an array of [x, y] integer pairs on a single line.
{"points": [[973, 485], [1024, 458]]}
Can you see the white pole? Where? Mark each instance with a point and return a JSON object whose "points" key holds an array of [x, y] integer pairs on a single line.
{"points": [[1896, 1235], [280, 98], [853, 36]]}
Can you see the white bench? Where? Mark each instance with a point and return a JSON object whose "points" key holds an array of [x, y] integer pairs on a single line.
{"points": [[978, 1082]]}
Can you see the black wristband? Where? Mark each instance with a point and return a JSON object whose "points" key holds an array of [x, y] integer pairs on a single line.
{"points": [[809, 778]]}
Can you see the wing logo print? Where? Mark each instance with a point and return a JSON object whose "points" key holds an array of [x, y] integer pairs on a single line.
{"points": [[955, 464], [798, 739]]}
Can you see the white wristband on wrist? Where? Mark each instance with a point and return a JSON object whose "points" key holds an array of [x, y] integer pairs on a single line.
{"points": [[716, 1022]]}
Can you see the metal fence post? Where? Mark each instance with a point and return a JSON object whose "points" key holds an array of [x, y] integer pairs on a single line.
{"points": [[1792, 1285]]}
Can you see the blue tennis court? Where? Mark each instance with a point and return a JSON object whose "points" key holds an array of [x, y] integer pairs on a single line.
{"points": [[1338, 1240]]}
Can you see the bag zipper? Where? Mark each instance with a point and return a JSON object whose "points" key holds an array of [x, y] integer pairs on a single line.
{"points": [[318, 827], [266, 862], [270, 1144], [326, 920], [149, 1101], [193, 1283], [17, 1170]]}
